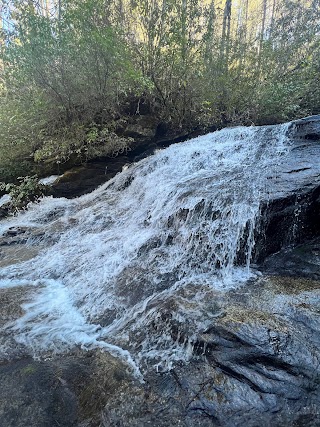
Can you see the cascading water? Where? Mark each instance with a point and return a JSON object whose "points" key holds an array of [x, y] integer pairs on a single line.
{"points": [[130, 267]]}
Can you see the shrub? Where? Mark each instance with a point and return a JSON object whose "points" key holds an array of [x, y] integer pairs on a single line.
{"points": [[28, 190]]}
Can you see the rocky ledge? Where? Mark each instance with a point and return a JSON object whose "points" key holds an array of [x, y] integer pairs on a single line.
{"points": [[256, 363], [291, 215]]}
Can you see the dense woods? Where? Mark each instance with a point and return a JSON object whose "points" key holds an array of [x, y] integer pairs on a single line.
{"points": [[75, 72]]}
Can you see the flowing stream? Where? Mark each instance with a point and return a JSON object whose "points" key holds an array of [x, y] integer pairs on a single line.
{"points": [[155, 243]]}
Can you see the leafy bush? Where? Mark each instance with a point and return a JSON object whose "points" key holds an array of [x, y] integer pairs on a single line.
{"points": [[28, 190], [61, 76]]}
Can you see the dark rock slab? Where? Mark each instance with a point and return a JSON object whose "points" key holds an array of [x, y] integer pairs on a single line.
{"points": [[291, 214], [307, 128], [288, 221], [86, 178], [68, 391], [4, 211], [257, 364], [300, 261]]}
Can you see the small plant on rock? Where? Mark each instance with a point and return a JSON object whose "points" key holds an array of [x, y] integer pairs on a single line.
{"points": [[27, 190]]}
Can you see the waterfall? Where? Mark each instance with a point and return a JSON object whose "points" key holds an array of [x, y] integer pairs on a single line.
{"points": [[129, 267]]}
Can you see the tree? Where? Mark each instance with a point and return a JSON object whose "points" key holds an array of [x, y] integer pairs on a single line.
{"points": [[74, 71]]}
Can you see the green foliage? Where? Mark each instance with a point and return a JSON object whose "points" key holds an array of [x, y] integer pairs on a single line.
{"points": [[28, 190], [62, 75], [82, 143], [68, 79]]}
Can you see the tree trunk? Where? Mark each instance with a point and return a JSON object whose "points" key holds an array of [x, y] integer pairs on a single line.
{"points": [[225, 40], [210, 34], [262, 34]]}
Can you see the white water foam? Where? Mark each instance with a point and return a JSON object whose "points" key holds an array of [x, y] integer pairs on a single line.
{"points": [[111, 261], [49, 180], [4, 200]]}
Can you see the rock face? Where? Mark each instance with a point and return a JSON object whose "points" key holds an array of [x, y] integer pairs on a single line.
{"points": [[69, 391], [300, 261], [254, 362], [307, 128], [291, 217]]}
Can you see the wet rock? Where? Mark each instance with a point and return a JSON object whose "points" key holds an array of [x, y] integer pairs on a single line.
{"points": [[288, 221], [256, 362], [4, 211], [68, 391], [148, 152], [291, 215], [11, 301], [18, 252], [83, 179], [4, 241], [301, 261], [15, 231], [19, 235], [86, 178], [307, 128]]}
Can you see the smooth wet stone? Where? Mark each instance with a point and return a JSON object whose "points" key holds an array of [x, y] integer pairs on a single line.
{"points": [[302, 261], [67, 391], [256, 364], [307, 128], [291, 214]]}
